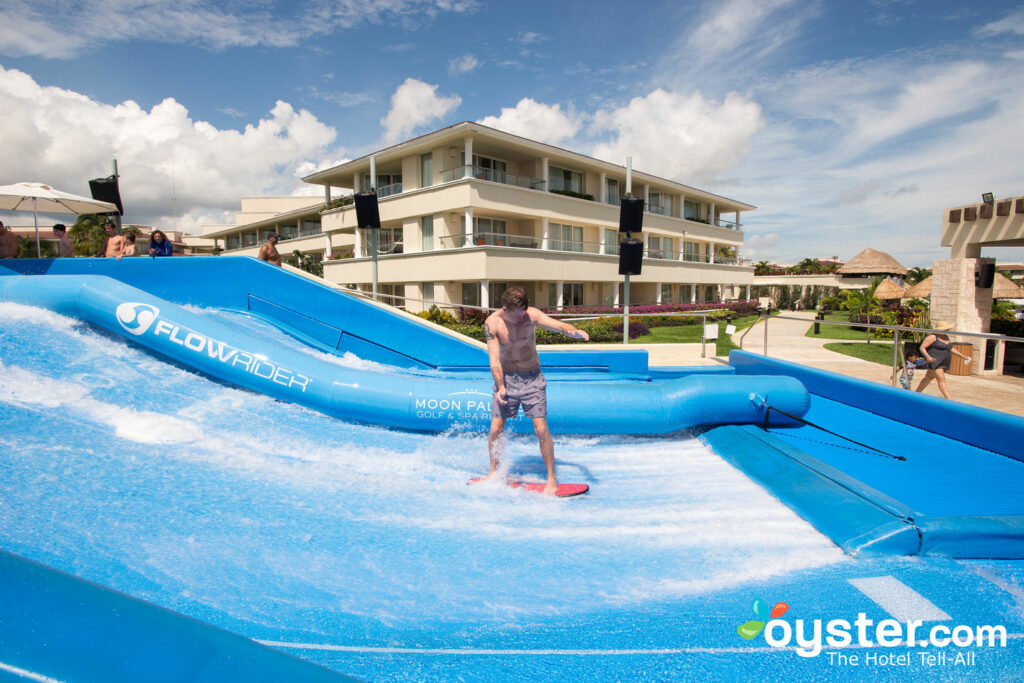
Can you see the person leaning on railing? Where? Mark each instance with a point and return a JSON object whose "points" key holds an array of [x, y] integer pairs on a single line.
{"points": [[159, 245]]}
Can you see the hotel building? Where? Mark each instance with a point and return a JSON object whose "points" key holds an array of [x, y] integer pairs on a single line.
{"points": [[467, 211]]}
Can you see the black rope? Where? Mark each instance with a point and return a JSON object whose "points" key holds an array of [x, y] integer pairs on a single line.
{"points": [[769, 408]]}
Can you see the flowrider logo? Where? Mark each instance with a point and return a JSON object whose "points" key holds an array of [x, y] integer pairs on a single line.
{"points": [[136, 318], [810, 637]]}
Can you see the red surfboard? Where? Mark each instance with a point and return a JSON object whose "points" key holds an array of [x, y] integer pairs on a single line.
{"points": [[563, 490]]}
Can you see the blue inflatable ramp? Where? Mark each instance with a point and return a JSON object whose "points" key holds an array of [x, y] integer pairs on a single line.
{"points": [[882, 470]]}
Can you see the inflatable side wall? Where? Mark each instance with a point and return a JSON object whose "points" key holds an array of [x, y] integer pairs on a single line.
{"points": [[400, 400]]}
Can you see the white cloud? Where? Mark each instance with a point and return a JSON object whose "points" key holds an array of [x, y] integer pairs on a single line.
{"points": [[530, 119], [1012, 24], [682, 137], [415, 103], [530, 37], [64, 138], [57, 29], [463, 65]]}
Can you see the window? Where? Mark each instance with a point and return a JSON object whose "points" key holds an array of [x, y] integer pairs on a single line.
{"points": [[427, 169], [685, 294], [490, 231], [710, 293], [691, 210], [608, 292], [660, 203], [612, 190], [392, 294], [389, 241], [288, 232], [311, 228], [691, 251], [427, 233], [248, 239], [494, 292], [565, 180], [263, 234], [233, 242], [666, 294], [611, 241], [565, 237], [427, 293], [383, 180], [470, 294], [486, 168], [572, 294], [659, 247]]}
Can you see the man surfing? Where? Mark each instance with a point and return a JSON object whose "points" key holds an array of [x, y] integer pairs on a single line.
{"points": [[511, 338]]}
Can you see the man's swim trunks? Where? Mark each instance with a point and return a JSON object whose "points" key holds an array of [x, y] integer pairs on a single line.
{"points": [[528, 388]]}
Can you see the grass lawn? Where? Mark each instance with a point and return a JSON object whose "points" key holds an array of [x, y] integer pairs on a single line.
{"points": [[837, 331], [876, 351], [690, 334]]}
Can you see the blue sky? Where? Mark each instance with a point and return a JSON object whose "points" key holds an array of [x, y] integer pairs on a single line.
{"points": [[849, 124]]}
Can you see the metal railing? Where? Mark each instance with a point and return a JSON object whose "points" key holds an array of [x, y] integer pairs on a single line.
{"points": [[501, 177], [897, 330]]}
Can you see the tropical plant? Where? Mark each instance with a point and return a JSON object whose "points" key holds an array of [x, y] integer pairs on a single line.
{"points": [[87, 234], [762, 268], [27, 248], [306, 262], [917, 274], [808, 266]]}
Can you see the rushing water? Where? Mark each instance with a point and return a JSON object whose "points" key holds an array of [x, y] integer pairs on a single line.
{"points": [[284, 524]]}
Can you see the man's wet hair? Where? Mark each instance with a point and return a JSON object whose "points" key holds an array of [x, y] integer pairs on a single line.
{"points": [[516, 298]]}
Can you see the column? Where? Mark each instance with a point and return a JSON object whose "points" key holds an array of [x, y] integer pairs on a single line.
{"points": [[467, 237], [693, 293], [616, 302], [327, 246], [545, 234], [646, 235], [327, 194], [355, 183], [469, 157], [358, 248], [748, 286], [647, 196], [561, 294], [603, 179], [485, 299], [711, 214], [657, 297], [545, 173], [681, 255], [712, 247], [601, 240], [737, 219]]}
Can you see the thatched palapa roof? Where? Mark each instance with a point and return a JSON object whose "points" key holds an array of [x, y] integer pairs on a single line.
{"points": [[872, 262], [890, 289], [922, 290], [1005, 288]]}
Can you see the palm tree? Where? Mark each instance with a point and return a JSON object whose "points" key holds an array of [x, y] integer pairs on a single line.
{"points": [[917, 274], [762, 268]]}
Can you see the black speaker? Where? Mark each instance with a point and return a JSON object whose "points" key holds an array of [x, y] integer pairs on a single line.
{"points": [[631, 215], [985, 275], [631, 255], [367, 212], [105, 190]]}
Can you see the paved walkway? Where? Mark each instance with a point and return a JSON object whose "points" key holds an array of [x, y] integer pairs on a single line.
{"points": [[786, 341]]}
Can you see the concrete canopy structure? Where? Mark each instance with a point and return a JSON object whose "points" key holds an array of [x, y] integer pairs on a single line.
{"points": [[468, 210]]}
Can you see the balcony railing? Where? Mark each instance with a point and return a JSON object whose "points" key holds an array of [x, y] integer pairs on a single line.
{"points": [[494, 239], [389, 190], [491, 175]]}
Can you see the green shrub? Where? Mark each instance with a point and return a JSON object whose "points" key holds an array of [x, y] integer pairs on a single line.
{"points": [[436, 315]]}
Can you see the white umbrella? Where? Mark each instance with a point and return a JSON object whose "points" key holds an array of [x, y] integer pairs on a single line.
{"points": [[37, 197]]}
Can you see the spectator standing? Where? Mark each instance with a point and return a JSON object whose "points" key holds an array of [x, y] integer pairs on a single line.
{"points": [[129, 246], [159, 245], [268, 252], [8, 242], [64, 248]]}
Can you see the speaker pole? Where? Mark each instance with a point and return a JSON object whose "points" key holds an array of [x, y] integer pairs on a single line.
{"points": [[625, 316], [373, 241], [117, 216]]}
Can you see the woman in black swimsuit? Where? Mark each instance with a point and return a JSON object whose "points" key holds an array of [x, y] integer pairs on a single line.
{"points": [[937, 351]]}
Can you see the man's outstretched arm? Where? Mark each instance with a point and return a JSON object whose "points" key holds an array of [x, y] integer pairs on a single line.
{"points": [[549, 323]]}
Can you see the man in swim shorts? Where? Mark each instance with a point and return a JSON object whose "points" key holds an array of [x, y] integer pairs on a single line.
{"points": [[512, 347]]}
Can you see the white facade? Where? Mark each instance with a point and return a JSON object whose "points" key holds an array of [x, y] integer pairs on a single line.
{"points": [[525, 213]]}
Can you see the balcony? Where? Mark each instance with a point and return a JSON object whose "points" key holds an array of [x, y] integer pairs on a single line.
{"points": [[490, 175]]}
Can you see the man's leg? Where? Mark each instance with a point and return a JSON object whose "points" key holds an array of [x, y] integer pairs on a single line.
{"points": [[547, 451], [495, 442]]}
